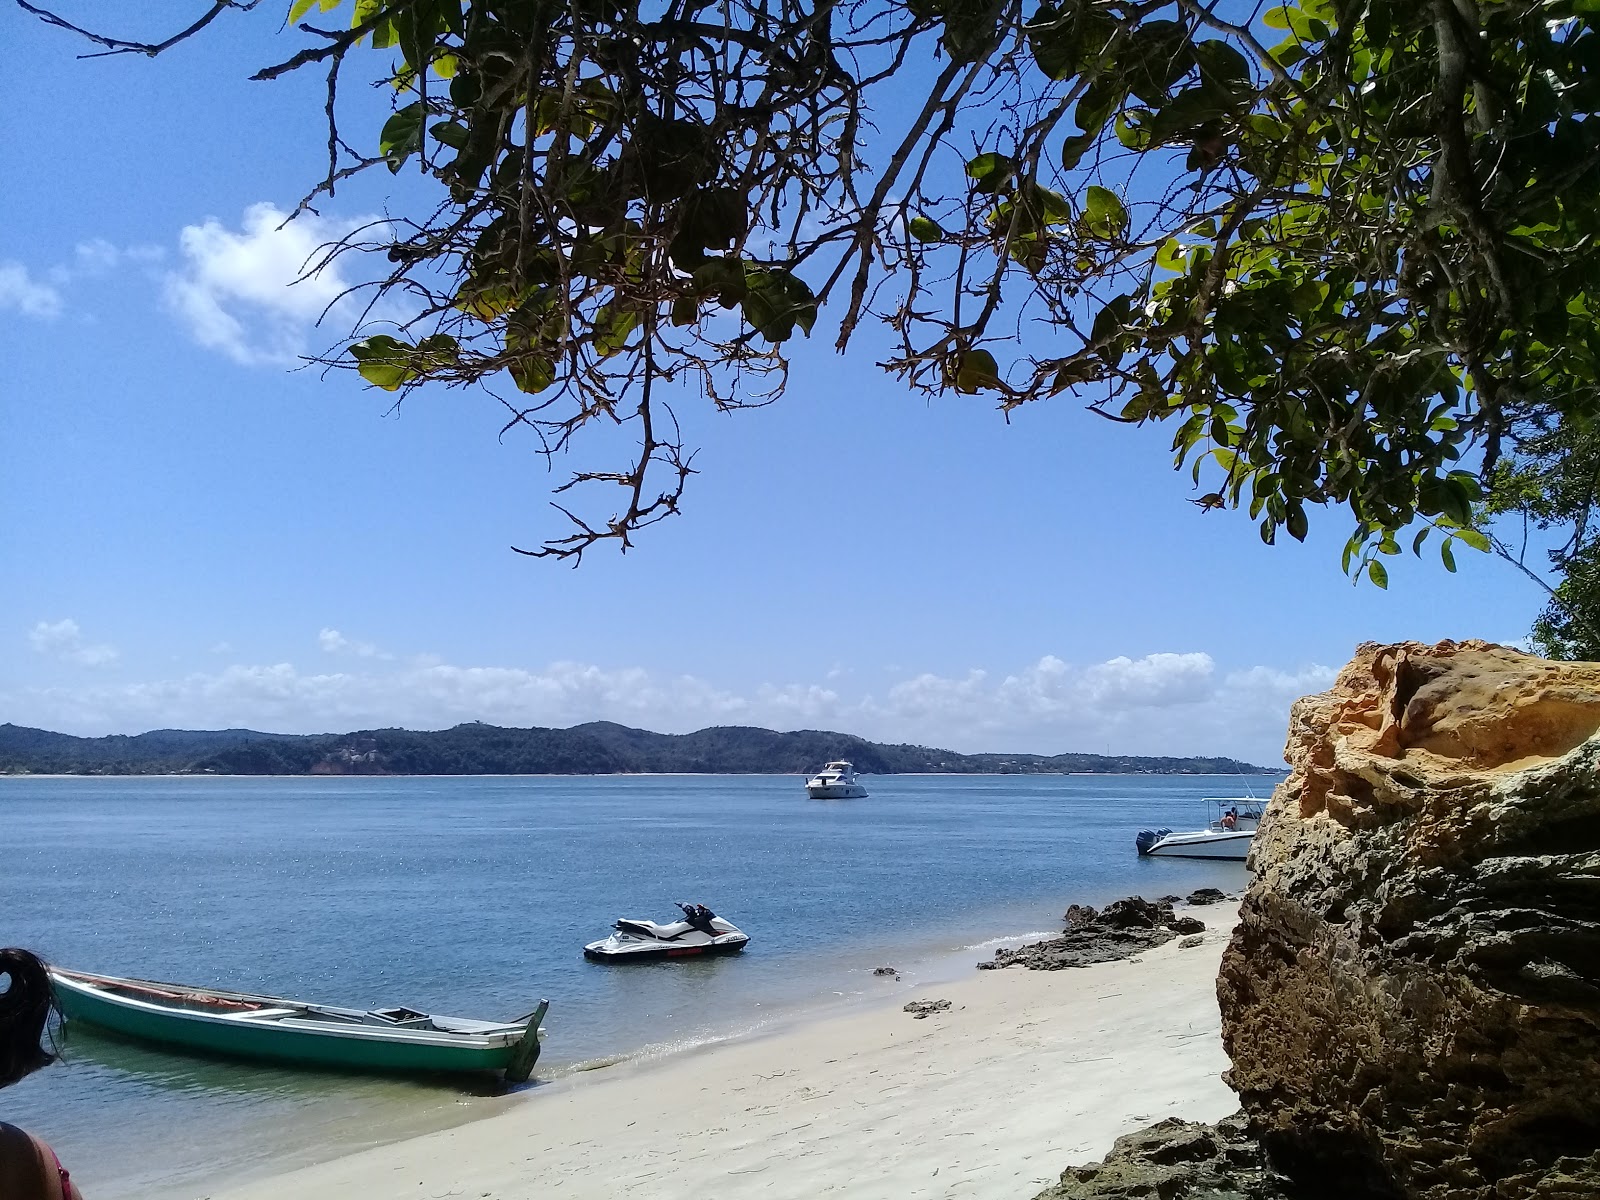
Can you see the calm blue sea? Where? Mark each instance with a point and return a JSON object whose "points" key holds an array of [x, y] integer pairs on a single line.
{"points": [[474, 896]]}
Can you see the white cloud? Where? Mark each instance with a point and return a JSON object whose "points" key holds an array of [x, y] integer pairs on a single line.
{"points": [[64, 640], [254, 294], [334, 642], [96, 256], [22, 293], [1160, 704]]}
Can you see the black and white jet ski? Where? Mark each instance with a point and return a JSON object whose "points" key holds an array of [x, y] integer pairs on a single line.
{"points": [[700, 932]]}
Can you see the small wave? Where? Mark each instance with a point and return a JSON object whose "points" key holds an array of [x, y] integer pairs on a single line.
{"points": [[996, 942]]}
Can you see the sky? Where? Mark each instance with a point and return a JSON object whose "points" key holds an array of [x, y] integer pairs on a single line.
{"points": [[198, 532]]}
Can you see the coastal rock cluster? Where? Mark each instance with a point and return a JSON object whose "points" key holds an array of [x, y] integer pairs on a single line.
{"points": [[1412, 997], [1177, 1160], [1122, 929]]}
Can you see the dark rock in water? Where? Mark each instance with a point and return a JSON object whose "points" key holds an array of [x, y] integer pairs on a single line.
{"points": [[886, 971], [1186, 925], [1078, 914], [921, 1008], [1412, 997], [1177, 1160], [1207, 896], [1121, 930], [1190, 942]]}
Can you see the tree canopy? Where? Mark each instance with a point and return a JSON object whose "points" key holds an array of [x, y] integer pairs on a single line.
{"points": [[1345, 249]]}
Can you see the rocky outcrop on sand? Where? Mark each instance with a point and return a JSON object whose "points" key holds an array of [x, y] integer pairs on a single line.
{"points": [[1412, 997], [1121, 930], [1176, 1160]]}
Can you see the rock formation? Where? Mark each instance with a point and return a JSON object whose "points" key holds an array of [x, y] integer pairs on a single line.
{"points": [[1412, 997], [1121, 930], [1176, 1160]]}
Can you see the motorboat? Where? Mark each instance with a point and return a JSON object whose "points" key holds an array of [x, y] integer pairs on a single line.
{"points": [[241, 1025], [1227, 835], [836, 781], [701, 932]]}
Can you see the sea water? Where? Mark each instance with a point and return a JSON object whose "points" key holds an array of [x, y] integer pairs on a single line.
{"points": [[473, 896]]}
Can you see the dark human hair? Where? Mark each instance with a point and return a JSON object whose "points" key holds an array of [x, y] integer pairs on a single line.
{"points": [[25, 1007]]}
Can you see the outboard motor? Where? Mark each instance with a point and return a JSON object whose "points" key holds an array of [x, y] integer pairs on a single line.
{"points": [[1148, 838]]}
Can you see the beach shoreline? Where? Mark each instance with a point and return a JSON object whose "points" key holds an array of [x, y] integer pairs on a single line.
{"points": [[1027, 1073]]}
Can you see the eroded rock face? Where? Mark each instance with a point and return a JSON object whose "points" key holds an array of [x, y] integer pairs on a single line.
{"points": [[1412, 997]]}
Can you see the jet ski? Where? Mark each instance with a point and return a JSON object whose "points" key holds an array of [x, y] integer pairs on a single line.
{"points": [[700, 932]]}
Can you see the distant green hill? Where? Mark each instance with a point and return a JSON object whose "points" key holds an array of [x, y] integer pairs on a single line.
{"points": [[598, 748]]}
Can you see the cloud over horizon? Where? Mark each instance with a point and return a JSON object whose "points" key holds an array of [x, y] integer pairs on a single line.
{"points": [[1163, 703]]}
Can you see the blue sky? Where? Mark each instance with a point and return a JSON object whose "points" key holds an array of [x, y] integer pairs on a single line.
{"points": [[196, 534]]}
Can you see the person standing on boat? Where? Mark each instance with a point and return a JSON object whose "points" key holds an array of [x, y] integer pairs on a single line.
{"points": [[1230, 819], [29, 1169]]}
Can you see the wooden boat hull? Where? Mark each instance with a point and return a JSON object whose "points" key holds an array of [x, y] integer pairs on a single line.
{"points": [[232, 1031]]}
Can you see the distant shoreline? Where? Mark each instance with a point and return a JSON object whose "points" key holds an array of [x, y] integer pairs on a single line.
{"points": [[1259, 773], [595, 748]]}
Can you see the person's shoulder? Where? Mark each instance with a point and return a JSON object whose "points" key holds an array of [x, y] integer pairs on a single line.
{"points": [[29, 1168]]}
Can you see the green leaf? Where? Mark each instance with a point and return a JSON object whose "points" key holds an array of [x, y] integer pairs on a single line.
{"points": [[925, 229], [990, 172], [1074, 148], [532, 373], [487, 303], [723, 278], [1378, 574], [1454, 501], [299, 9], [402, 135], [1221, 64], [1297, 522], [1474, 539], [1104, 216], [775, 301], [1073, 372], [451, 133], [384, 361], [975, 370], [1173, 256], [612, 327], [440, 347], [1447, 557], [685, 311]]}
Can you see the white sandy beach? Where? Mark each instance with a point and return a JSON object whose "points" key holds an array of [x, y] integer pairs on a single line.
{"points": [[1029, 1072]]}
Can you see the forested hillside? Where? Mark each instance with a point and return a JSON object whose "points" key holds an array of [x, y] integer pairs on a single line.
{"points": [[597, 748]]}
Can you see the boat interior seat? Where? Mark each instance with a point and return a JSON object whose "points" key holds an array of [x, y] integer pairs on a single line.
{"points": [[467, 1025], [652, 930]]}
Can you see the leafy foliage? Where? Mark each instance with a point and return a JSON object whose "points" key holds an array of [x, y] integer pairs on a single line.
{"points": [[1347, 250], [1553, 483]]}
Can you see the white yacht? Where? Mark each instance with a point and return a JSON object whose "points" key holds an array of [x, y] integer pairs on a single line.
{"points": [[836, 781], [1227, 835]]}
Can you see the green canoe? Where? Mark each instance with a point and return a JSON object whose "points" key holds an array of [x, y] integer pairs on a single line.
{"points": [[292, 1031]]}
